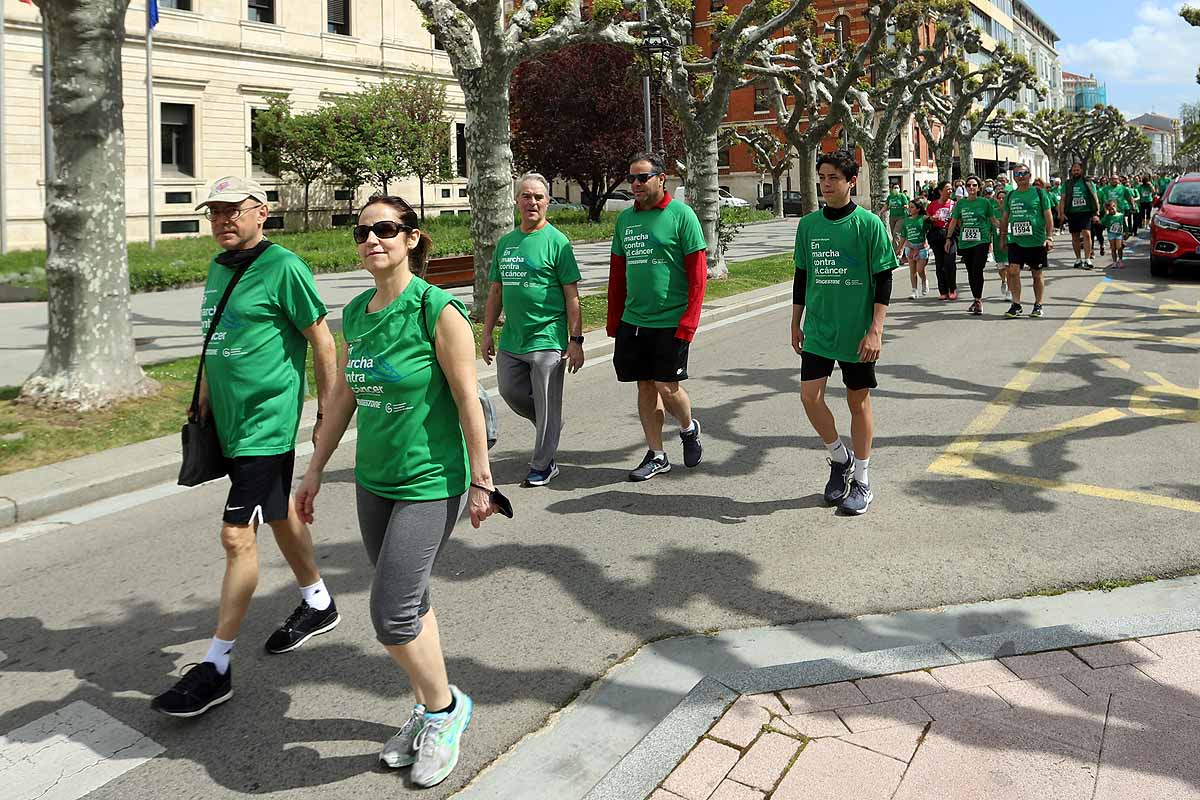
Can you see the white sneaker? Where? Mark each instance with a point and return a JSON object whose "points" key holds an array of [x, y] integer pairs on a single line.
{"points": [[399, 752], [437, 744], [1088, 263], [1007, 293], [924, 288], [915, 294]]}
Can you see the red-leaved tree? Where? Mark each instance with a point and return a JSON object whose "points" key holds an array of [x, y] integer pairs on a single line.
{"points": [[577, 114]]}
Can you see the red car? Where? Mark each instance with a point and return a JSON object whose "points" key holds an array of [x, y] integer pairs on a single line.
{"points": [[1175, 229]]}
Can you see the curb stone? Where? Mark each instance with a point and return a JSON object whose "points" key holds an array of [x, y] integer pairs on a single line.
{"points": [[645, 766], [39, 492]]}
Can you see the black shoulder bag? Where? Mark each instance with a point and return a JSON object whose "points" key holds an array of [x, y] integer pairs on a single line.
{"points": [[202, 457]]}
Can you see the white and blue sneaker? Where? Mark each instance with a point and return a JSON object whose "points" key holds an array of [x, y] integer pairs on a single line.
{"points": [[858, 499], [437, 743], [540, 477], [399, 752]]}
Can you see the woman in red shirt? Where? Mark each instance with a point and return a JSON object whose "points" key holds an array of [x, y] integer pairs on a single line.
{"points": [[939, 212]]}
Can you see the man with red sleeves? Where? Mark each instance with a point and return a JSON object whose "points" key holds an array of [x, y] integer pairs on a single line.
{"points": [[656, 280]]}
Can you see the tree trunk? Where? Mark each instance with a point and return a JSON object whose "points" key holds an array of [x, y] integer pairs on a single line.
{"points": [[702, 194], [421, 191], [485, 91], [945, 161], [307, 185], [966, 157], [808, 180], [877, 161], [90, 359], [776, 176]]}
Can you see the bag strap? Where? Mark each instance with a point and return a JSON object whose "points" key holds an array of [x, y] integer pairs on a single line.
{"points": [[421, 313], [212, 328]]}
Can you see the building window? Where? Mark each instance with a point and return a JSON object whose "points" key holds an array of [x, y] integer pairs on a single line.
{"points": [[460, 148], [762, 97], [179, 197], [274, 223], [842, 29], [342, 220], [464, 212], [723, 157], [257, 159], [272, 195], [343, 194], [437, 44], [338, 17], [462, 192], [446, 213], [894, 151], [177, 133], [261, 11], [178, 5], [180, 226], [445, 193], [717, 6]]}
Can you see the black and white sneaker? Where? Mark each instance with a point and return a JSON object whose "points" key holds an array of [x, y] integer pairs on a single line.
{"points": [[303, 624], [838, 485], [1037, 310], [858, 500], [650, 466], [1014, 311], [692, 449], [200, 688]]}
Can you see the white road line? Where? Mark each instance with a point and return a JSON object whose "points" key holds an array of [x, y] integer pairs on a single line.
{"points": [[111, 505], [69, 753]]}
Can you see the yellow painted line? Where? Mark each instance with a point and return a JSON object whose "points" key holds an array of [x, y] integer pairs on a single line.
{"points": [[1176, 307], [1013, 444], [1125, 287], [1087, 490], [963, 448], [1142, 401], [1153, 337], [1099, 326], [1096, 350]]}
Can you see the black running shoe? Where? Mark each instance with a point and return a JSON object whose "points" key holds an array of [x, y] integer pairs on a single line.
{"points": [[650, 467], [838, 485], [304, 623], [1014, 311], [692, 449], [1037, 310], [200, 688]]}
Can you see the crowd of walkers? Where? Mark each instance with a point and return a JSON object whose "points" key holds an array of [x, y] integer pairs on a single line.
{"points": [[1011, 225], [408, 371]]}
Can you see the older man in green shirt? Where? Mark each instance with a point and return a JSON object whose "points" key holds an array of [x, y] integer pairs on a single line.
{"points": [[535, 281]]}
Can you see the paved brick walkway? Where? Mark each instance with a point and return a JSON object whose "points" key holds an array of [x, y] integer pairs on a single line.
{"points": [[1117, 721]]}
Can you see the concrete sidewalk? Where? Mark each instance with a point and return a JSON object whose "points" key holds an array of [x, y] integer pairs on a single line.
{"points": [[165, 324]]}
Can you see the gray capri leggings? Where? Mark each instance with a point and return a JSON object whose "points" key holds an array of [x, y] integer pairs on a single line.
{"points": [[403, 540]]}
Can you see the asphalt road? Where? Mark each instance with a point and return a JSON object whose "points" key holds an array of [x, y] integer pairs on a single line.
{"points": [[1011, 456]]}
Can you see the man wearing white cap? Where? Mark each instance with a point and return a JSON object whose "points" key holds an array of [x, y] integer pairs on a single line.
{"points": [[253, 388]]}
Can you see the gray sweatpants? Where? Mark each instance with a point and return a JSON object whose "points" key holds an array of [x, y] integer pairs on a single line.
{"points": [[532, 385], [403, 540]]}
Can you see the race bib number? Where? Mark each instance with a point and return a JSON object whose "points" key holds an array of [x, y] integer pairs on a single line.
{"points": [[1078, 202], [1022, 229], [972, 235], [1116, 227]]}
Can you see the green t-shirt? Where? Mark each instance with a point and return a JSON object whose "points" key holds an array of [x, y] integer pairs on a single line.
{"points": [[533, 268], [1026, 217], [998, 252], [897, 204], [1162, 184], [410, 444], [1055, 193], [1009, 188], [915, 228], [1079, 200], [1145, 192], [1114, 224], [974, 222], [1117, 193], [841, 259], [255, 361], [654, 243]]}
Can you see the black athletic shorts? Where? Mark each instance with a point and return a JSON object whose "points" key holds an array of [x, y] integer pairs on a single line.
{"points": [[855, 374], [1078, 223], [261, 485], [649, 354], [1031, 258]]}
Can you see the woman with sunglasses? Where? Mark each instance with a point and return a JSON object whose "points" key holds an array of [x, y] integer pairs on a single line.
{"points": [[943, 248], [421, 458], [973, 219]]}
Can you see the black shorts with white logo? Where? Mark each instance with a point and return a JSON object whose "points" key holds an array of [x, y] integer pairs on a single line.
{"points": [[856, 375], [649, 354], [261, 485], [1030, 258]]}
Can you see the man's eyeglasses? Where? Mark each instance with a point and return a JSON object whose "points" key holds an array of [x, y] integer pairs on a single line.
{"points": [[384, 229], [641, 177], [230, 214]]}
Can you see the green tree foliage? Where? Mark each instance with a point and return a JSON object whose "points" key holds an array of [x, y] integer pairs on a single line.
{"points": [[295, 144], [425, 148]]}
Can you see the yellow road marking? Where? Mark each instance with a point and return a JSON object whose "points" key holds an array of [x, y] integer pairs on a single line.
{"points": [[1153, 337], [1176, 307], [1020, 442], [1095, 349], [1125, 287], [1142, 401]]}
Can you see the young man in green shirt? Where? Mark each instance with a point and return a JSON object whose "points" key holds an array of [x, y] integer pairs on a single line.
{"points": [[1025, 230], [253, 389], [535, 281], [840, 295], [657, 274]]}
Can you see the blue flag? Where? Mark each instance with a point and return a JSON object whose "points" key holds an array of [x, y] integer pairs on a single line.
{"points": [[151, 14]]}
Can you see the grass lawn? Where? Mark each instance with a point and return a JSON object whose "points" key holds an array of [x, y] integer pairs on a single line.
{"points": [[184, 262], [52, 436]]}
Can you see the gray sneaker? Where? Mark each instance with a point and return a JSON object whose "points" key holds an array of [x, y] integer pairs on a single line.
{"points": [[437, 743], [838, 485], [650, 467], [858, 500], [399, 752]]}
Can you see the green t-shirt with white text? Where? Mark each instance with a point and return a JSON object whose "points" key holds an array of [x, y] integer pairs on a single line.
{"points": [[1116, 193], [897, 204], [1114, 224], [1026, 217], [532, 268], [974, 222], [1079, 199], [915, 229], [654, 243], [254, 363], [1145, 193], [840, 259], [410, 445]]}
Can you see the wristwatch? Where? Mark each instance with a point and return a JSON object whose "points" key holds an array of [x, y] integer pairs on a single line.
{"points": [[577, 339]]}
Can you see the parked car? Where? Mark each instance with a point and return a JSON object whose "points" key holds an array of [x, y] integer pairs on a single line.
{"points": [[563, 204], [1175, 229], [618, 200], [727, 200], [791, 203]]}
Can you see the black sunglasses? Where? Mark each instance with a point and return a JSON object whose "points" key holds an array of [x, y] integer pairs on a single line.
{"points": [[1020, 174], [384, 229], [634, 177]]}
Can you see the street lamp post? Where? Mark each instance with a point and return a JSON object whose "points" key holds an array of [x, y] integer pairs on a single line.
{"points": [[656, 47], [996, 131]]}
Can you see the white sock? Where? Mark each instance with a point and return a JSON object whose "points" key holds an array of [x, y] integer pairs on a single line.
{"points": [[660, 454], [689, 428], [218, 654], [837, 451], [317, 596], [860, 470]]}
